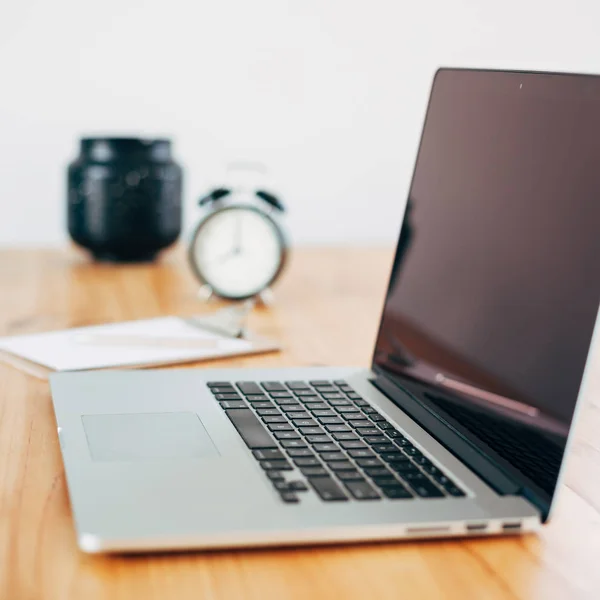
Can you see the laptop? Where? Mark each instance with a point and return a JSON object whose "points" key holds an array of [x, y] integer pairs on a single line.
{"points": [[461, 423]]}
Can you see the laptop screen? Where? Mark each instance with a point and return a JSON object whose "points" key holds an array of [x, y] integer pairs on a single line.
{"points": [[495, 285]]}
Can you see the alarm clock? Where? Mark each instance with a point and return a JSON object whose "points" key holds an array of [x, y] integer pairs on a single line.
{"points": [[238, 250]]}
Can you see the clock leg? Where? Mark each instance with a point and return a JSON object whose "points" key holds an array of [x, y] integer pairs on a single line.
{"points": [[266, 297], [205, 293]]}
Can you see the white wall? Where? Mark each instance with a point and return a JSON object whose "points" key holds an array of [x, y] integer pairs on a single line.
{"points": [[329, 93]]}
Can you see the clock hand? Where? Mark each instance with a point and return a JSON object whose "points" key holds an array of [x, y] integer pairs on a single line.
{"points": [[238, 235]]}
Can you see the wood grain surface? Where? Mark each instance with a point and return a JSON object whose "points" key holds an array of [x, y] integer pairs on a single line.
{"points": [[326, 313]]}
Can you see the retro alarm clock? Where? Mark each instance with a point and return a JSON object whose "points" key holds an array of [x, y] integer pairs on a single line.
{"points": [[239, 249]]}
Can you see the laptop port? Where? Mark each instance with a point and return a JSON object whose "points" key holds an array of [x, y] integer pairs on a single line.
{"points": [[508, 527], [477, 526]]}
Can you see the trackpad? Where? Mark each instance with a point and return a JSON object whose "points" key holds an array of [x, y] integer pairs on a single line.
{"points": [[147, 436]]}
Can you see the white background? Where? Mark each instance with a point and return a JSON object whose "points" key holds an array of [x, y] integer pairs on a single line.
{"points": [[330, 94]]}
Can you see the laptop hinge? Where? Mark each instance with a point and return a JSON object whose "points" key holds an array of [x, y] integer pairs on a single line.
{"points": [[498, 480]]}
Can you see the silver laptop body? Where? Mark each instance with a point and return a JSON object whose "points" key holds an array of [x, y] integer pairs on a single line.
{"points": [[460, 425]]}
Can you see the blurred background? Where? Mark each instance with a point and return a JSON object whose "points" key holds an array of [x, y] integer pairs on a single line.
{"points": [[330, 94]]}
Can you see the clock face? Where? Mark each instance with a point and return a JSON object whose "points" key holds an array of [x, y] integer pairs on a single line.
{"points": [[238, 251]]}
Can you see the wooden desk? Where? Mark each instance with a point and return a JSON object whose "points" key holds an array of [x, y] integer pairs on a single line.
{"points": [[326, 314]]}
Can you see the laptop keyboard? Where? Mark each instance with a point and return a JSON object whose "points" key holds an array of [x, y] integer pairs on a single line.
{"points": [[322, 435]]}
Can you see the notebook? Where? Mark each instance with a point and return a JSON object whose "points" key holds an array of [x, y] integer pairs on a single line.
{"points": [[144, 343]]}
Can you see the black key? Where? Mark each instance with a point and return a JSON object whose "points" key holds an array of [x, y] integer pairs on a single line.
{"points": [[361, 453], [280, 395], [233, 404], [345, 437], [273, 386], [383, 480], [314, 472], [415, 475], [422, 461], [339, 402], [286, 435], [307, 462], [292, 408], [223, 390], [297, 486], [257, 398], [402, 442], [332, 456], [320, 383], [442, 479], [268, 454], [396, 492], [374, 439], [350, 475], [305, 423], [323, 413], [285, 401], [276, 419], [300, 453], [281, 485], [380, 448], [360, 423], [368, 462], [434, 471], [345, 387], [340, 382], [297, 385], [274, 475], [328, 390], [250, 429], [361, 403], [304, 393], [289, 497], [368, 431], [275, 465], [426, 489], [327, 489], [354, 396], [378, 419], [394, 456], [347, 409], [325, 447], [317, 406], [454, 491], [412, 451], [249, 387], [403, 467], [385, 426], [335, 396], [341, 465], [337, 428], [298, 415], [309, 401], [318, 439], [311, 431], [268, 412], [214, 384], [362, 490], [293, 444], [353, 445], [331, 421], [394, 434], [377, 472], [228, 397], [280, 427], [263, 405], [369, 410]]}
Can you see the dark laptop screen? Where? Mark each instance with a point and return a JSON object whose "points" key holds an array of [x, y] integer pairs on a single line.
{"points": [[496, 282]]}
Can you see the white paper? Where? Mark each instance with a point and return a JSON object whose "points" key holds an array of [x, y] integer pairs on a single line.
{"points": [[78, 349]]}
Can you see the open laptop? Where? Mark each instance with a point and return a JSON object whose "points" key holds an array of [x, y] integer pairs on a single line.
{"points": [[460, 425]]}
